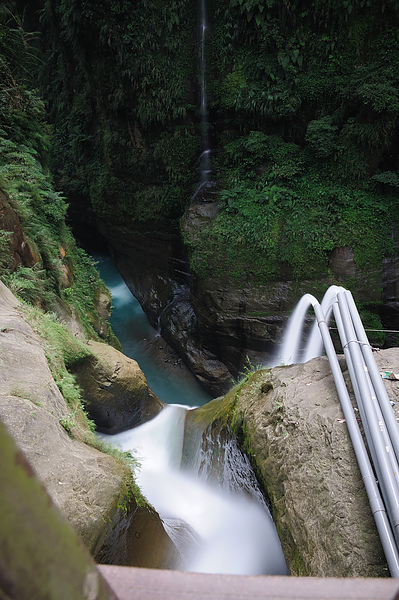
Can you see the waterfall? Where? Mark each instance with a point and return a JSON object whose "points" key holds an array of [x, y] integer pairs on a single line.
{"points": [[219, 525], [211, 506], [294, 348], [204, 162]]}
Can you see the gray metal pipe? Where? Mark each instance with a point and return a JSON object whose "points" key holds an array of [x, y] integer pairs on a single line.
{"points": [[362, 412], [387, 440], [352, 375], [375, 376], [390, 482], [376, 503]]}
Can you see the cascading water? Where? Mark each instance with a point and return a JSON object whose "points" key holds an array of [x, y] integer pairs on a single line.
{"points": [[220, 524], [204, 161], [217, 518], [218, 527], [291, 351]]}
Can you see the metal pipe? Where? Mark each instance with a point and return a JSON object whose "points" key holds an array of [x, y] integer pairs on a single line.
{"points": [[362, 412], [376, 504], [352, 375], [375, 376], [390, 482]]}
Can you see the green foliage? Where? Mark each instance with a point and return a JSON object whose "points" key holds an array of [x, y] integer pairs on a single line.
{"points": [[178, 149], [25, 177], [319, 73], [373, 327], [266, 222], [30, 284], [130, 64], [63, 350], [388, 178], [5, 257], [307, 95], [321, 136]]}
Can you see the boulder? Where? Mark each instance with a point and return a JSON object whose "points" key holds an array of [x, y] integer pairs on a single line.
{"points": [[40, 554], [290, 422], [91, 489], [115, 391]]}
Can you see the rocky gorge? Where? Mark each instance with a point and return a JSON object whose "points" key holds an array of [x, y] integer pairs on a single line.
{"points": [[286, 419], [218, 324], [302, 154], [299, 123]]}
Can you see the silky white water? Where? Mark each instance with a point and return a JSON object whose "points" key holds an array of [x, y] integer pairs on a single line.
{"points": [[216, 528], [219, 524], [291, 351]]}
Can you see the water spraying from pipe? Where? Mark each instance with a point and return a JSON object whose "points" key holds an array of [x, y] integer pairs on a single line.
{"points": [[294, 348], [314, 345], [290, 348]]}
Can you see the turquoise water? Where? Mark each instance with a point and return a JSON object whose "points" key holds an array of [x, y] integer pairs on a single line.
{"points": [[226, 530], [171, 382]]}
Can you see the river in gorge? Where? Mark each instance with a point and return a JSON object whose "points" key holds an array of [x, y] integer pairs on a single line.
{"points": [[219, 524]]}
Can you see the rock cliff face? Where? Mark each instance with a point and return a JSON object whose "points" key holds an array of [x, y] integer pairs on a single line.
{"points": [[216, 323], [242, 317], [155, 268], [290, 422], [90, 488]]}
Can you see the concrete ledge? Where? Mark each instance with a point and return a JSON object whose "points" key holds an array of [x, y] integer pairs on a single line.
{"points": [[149, 584]]}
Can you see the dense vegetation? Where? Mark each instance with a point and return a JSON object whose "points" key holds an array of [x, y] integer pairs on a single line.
{"points": [[120, 82], [305, 97], [63, 281], [304, 103], [63, 275]]}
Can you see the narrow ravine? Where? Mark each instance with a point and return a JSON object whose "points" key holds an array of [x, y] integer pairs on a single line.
{"points": [[166, 374], [219, 527]]}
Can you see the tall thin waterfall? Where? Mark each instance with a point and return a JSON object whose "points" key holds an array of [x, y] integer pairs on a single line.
{"points": [[204, 161]]}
